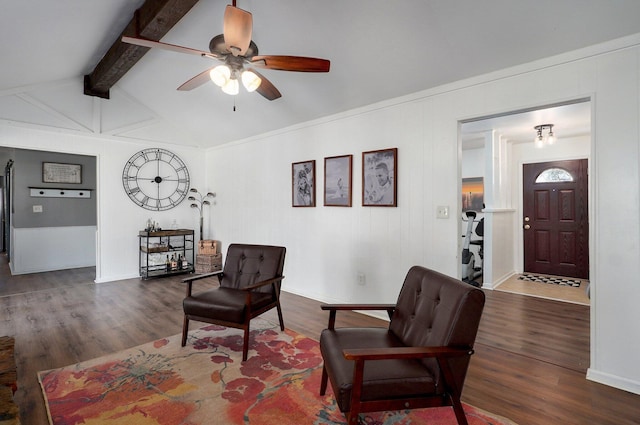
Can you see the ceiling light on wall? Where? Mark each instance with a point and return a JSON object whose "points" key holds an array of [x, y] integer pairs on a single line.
{"points": [[541, 140]]}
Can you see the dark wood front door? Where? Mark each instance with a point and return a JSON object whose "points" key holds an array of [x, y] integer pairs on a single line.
{"points": [[555, 221]]}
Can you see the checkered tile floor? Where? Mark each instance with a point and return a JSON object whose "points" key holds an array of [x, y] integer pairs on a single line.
{"points": [[550, 279]]}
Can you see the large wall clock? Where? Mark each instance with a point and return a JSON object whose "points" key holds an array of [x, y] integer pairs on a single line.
{"points": [[156, 179]]}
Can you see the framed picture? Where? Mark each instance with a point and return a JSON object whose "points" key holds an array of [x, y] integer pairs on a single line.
{"points": [[53, 172], [337, 181], [472, 194], [380, 178], [303, 177]]}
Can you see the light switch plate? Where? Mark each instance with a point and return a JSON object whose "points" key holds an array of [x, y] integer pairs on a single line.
{"points": [[37, 208], [442, 212]]}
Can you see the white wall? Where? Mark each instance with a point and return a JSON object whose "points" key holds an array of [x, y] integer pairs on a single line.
{"points": [[119, 219], [42, 249], [328, 247], [59, 117], [473, 163]]}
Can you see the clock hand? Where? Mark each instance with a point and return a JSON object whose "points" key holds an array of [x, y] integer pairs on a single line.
{"points": [[157, 179]]}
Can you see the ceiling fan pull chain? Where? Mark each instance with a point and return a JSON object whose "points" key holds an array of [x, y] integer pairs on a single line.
{"points": [[234, 104]]}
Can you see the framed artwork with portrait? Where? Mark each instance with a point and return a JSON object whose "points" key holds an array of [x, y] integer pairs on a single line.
{"points": [[303, 184], [337, 181], [380, 178]]}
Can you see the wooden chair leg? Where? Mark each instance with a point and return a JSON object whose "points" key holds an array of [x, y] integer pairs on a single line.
{"points": [[352, 417], [185, 330], [280, 317], [245, 346], [452, 389], [323, 381], [459, 411]]}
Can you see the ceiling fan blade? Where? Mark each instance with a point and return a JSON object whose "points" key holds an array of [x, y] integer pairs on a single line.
{"points": [[266, 88], [196, 81], [291, 63], [237, 28], [145, 42]]}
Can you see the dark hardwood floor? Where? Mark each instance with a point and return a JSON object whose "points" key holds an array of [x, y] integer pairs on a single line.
{"points": [[530, 361]]}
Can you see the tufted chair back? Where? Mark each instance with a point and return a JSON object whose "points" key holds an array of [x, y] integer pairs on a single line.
{"points": [[246, 265], [420, 360], [429, 313], [249, 285]]}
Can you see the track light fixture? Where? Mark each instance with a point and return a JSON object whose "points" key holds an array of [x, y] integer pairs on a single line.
{"points": [[542, 140]]}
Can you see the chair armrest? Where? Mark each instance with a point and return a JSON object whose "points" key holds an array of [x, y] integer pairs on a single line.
{"points": [[405, 353], [358, 306], [248, 289], [200, 276], [333, 308], [189, 280], [262, 283]]}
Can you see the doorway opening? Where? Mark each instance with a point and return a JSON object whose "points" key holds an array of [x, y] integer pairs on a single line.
{"points": [[497, 150], [38, 226]]}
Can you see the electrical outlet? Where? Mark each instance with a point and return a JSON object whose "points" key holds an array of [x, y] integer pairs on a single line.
{"points": [[442, 212], [37, 208], [361, 279]]}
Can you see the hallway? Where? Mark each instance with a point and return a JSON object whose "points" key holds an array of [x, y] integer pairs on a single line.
{"points": [[549, 291]]}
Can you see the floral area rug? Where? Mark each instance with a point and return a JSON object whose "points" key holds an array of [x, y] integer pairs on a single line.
{"points": [[162, 383]]}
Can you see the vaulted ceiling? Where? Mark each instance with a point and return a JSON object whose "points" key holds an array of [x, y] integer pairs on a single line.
{"points": [[378, 49]]}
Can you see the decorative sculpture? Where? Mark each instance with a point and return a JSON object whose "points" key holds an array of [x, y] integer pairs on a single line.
{"points": [[199, 201]]}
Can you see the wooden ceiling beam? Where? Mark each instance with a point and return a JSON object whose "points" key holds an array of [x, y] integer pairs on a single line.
{"points": [[152, 20]]}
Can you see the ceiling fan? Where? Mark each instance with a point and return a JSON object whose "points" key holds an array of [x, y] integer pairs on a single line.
{"points": [[236, 49]]}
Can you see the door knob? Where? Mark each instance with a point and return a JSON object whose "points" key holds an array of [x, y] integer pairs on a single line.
{"points": [[526, 219], [527, 227]]}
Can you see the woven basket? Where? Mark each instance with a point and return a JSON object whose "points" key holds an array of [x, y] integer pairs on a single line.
{"points": [[207, 263]]}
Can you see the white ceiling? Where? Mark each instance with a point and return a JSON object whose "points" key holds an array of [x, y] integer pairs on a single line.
{"points": [[569, 120], [379, 49]]}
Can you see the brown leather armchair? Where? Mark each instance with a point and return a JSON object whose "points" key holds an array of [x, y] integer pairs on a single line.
{"points": [[249, 286], [420, 361]]}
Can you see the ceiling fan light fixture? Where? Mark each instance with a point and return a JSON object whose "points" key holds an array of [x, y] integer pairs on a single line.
{"points": [[220, 75], [250, 81], [232, 87], [235, 49]]}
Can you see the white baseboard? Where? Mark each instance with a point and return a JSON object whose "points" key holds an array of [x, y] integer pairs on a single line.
{"points": [[613, 381], [113, 278]]}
